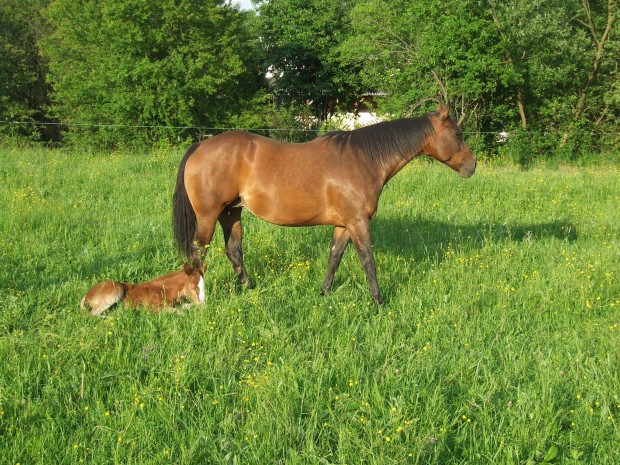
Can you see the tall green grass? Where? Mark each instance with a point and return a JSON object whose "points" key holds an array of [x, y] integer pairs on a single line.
{"points": [[498, 342]]}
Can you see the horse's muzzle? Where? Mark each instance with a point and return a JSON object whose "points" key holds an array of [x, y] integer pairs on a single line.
{"points": [[468, 168]]}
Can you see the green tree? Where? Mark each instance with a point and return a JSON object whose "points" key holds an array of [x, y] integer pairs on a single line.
{"points": [[23, 90], [300, 40], [598, 21], [535, 65], [563, 55], [186, 64], [421, 52]]}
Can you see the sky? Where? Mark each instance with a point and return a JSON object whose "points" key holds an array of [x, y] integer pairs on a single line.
{"points": [[245, 4]]}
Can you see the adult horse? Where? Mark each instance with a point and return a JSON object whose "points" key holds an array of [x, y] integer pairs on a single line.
{"points": [[335, 179]]}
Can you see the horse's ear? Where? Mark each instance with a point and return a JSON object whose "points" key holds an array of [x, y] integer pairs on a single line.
{"points": [[187, 269], [444, 113]]}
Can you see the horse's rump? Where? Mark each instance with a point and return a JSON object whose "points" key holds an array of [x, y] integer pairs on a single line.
{"points": [[103, 295]]}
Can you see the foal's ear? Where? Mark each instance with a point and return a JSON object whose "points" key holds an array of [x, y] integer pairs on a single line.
{"points": [[187, 269]]}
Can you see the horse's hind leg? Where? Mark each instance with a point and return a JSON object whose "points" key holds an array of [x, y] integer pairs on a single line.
{"points": [[205, 226], [339, 243], [230, 220]]}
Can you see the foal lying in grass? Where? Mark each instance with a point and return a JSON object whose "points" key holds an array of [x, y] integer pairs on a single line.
{"points": [[157, 294]]}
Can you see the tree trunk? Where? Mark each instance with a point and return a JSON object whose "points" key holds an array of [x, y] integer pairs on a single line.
{"points": [[521, 105]]}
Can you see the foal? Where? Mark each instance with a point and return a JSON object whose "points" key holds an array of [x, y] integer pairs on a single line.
{"points": [[156, 294]]}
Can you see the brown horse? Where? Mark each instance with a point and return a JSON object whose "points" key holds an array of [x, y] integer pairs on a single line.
{"points": [[335, 179], [156, 294]]}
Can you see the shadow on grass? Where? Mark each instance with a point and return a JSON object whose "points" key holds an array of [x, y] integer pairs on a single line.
{"points": [[58, 268], [421, 237]]}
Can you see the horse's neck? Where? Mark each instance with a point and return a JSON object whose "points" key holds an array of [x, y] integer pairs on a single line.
{"points": [[398, 162]]}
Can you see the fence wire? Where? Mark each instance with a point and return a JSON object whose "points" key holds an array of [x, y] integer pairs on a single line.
{"points": [[206, 130]]}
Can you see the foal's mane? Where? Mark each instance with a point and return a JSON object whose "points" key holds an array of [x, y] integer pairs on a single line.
{"points": [[380, 142]]}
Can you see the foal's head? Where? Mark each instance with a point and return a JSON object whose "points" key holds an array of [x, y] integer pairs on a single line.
{"points": [[194, 285], [447, 144]]}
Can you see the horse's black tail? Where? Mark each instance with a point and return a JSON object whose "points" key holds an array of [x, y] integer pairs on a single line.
{"points": [[183, 215]]}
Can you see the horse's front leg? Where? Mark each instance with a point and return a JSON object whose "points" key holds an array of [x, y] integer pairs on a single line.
{"points": [[360, 234], [340, 240], [230, 220]]}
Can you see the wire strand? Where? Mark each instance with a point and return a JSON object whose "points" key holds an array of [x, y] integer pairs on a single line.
{"points": [[221, 129]]}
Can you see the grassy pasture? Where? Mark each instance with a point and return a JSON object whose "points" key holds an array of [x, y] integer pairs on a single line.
{"points": [[498, 343]]}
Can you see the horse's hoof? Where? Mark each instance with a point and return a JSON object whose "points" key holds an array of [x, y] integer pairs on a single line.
{"points": [[247, 282]]}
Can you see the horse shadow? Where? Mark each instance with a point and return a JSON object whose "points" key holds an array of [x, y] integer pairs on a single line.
{"points": [[419, 237], [426, 240]]}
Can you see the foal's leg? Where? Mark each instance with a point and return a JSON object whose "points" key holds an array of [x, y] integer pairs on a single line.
{"points": [[339, 243], [360, 234], [230, 220]]}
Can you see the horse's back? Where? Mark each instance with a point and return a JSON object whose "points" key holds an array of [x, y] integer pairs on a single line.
{"points": [[249, 170], [294, 184], [237, 152], [146, 295]]}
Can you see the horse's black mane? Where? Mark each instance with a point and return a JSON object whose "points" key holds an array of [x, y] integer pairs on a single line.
{"points": [[380, 142]]}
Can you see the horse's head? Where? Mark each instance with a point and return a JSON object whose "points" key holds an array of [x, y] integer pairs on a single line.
{"points": [[447, 144], [194, 288]]}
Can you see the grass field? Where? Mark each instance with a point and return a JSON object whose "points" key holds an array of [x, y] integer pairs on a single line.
{"points": [[499, 342]]}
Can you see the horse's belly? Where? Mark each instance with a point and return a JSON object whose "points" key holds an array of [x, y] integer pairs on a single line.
{"points": [[290, 209]]}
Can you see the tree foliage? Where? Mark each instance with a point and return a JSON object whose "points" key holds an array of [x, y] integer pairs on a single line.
{"points": [[23, 90], [546, 71], [300, 40], [422, 51], [535, 65], [184, 64]]}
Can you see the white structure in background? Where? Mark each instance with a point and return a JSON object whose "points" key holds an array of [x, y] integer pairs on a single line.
{"points": [[502, 136], [363, 114], [354, 120]]}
